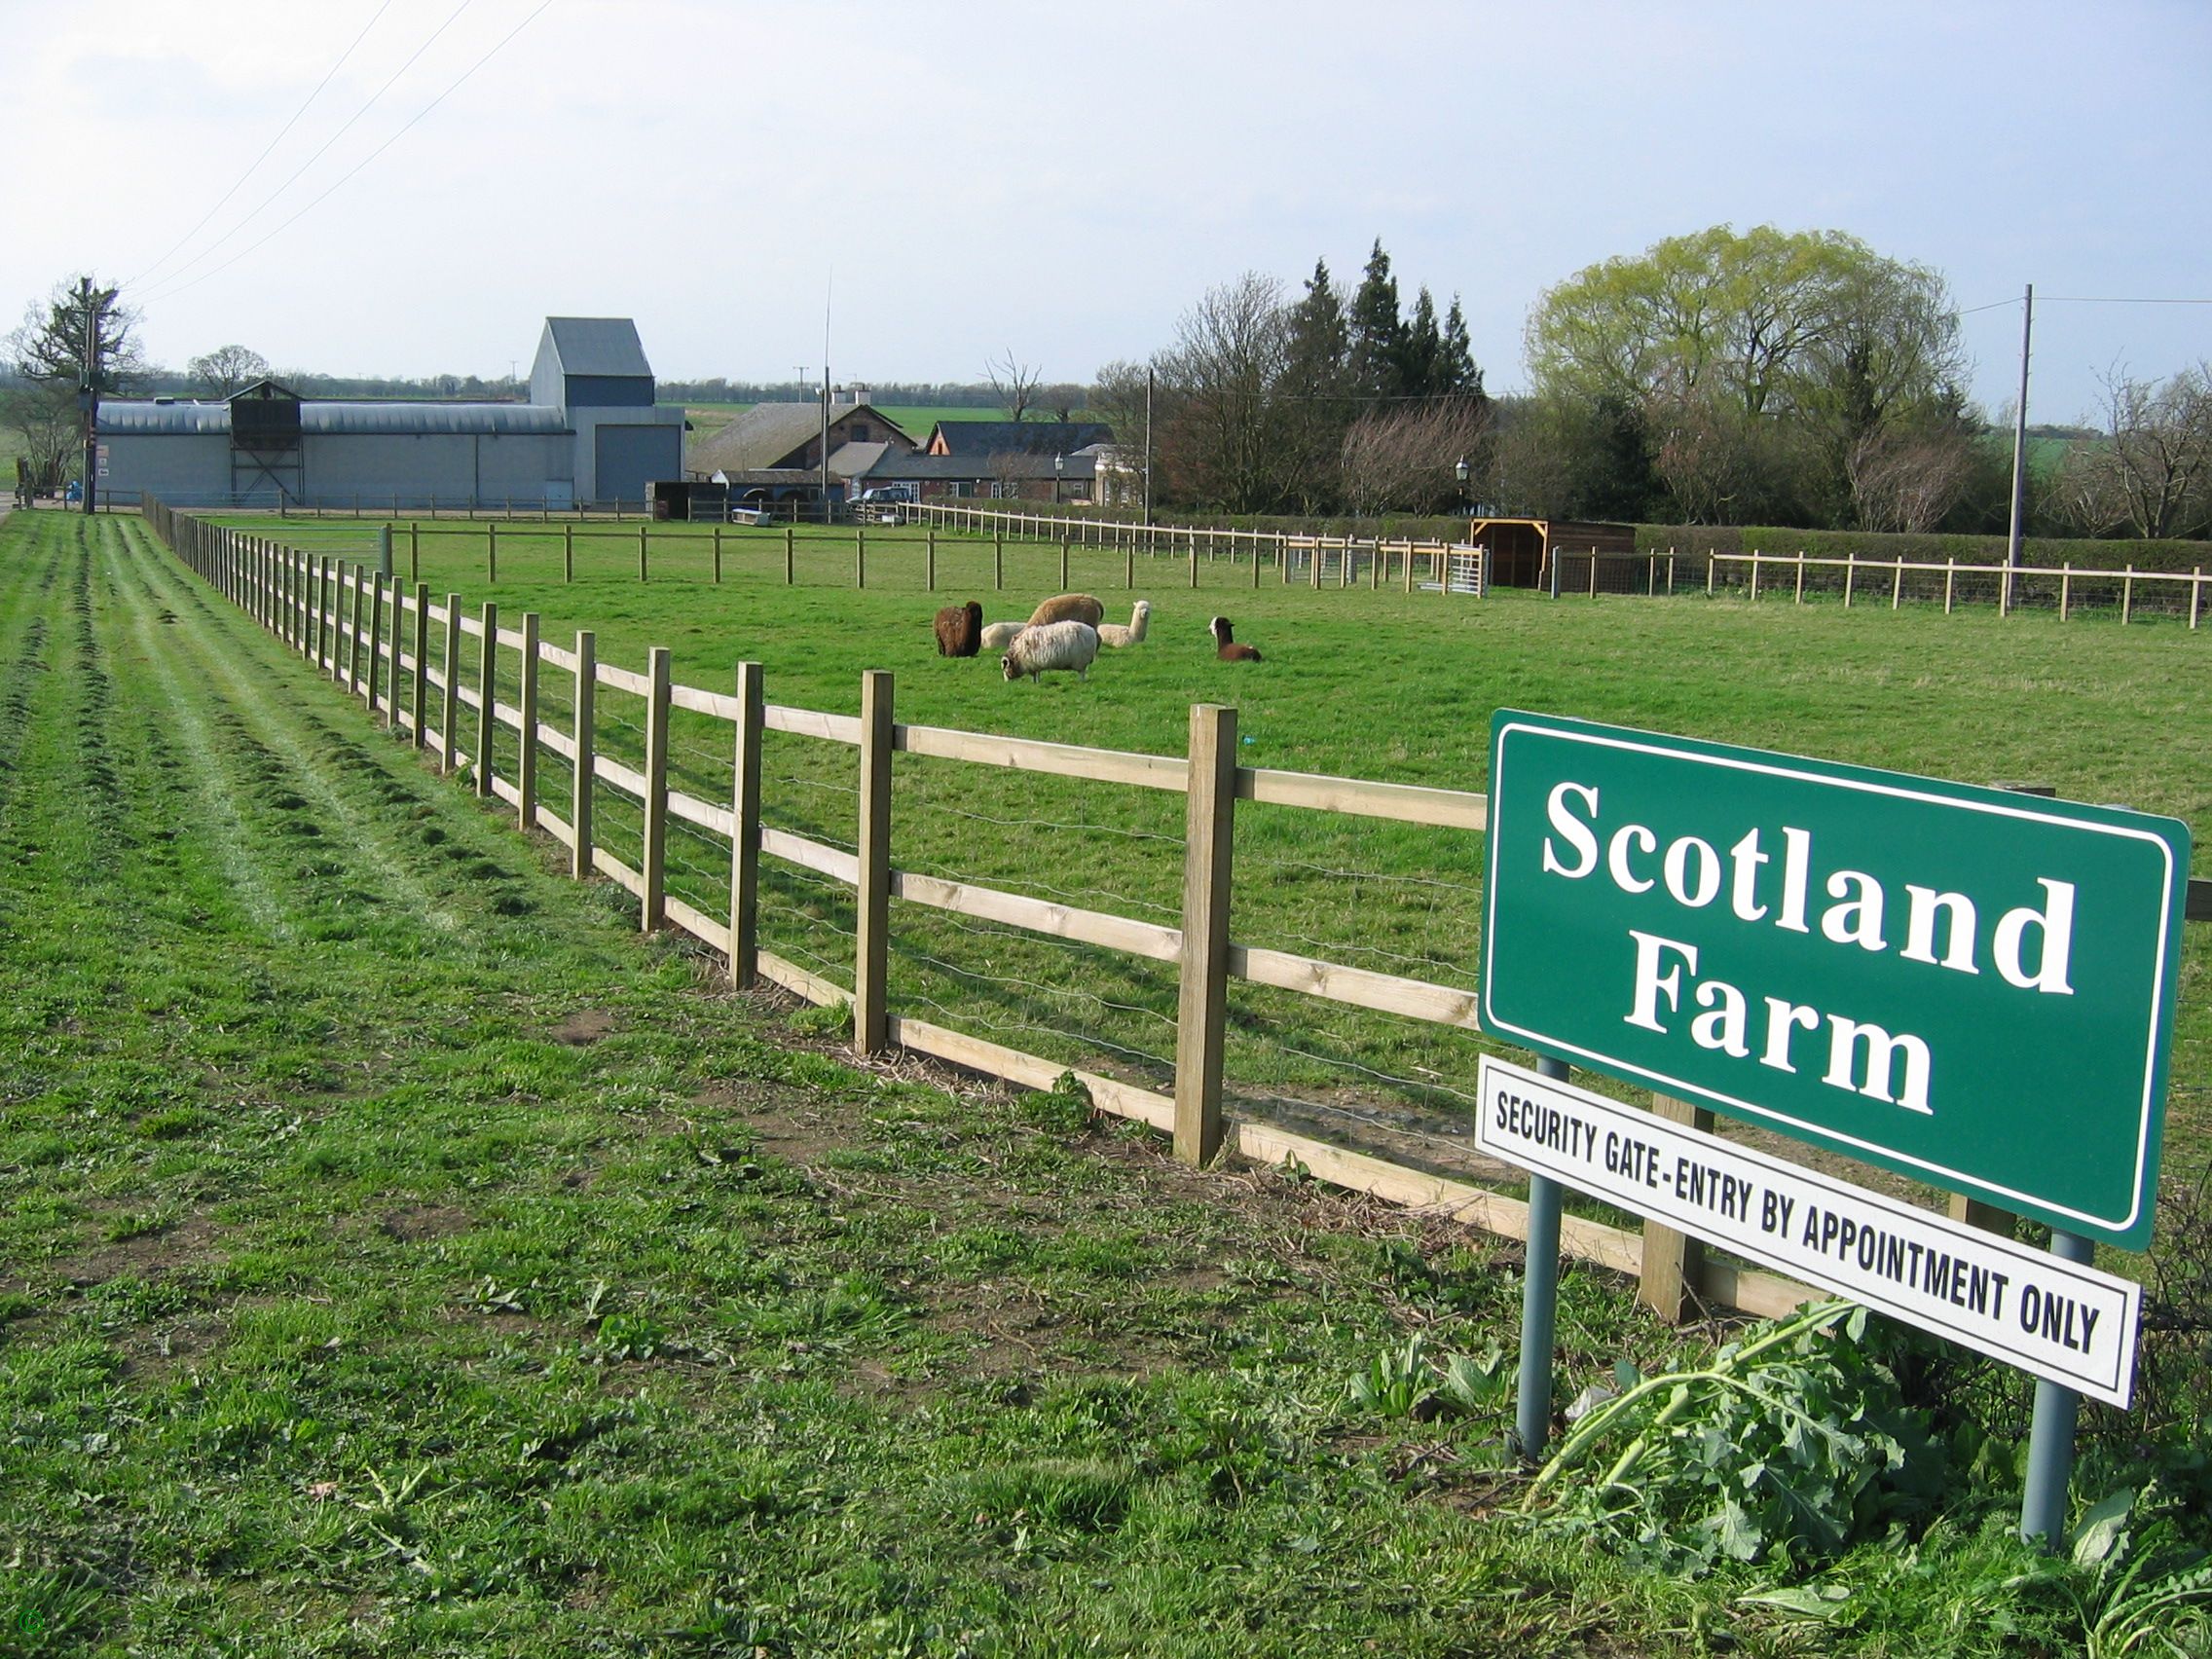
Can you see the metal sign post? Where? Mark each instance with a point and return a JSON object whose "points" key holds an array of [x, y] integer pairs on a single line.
{"points": [[1971, 987]]}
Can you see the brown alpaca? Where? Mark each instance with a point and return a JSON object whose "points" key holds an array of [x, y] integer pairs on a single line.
{"points": [[1069, 607], [1226, 648], [960, 630]]}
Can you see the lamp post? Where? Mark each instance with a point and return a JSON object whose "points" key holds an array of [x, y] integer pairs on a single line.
{"points": [[1059, 471], [1460, 473]]}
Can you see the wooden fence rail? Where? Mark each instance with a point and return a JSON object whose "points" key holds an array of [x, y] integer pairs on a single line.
{"points": [[2011, 587], [317, 606]]}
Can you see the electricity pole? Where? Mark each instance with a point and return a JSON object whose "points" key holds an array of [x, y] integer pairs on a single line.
{"points": [[89, 398], [1147, 448], [2020, 436]]}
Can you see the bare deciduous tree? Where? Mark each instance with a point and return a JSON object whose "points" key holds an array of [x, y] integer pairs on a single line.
{"points": [[45, 417], [1223, 445], [1406, 459], [227, 368], [1906, 481], [2153, 476], [1016, 383]]}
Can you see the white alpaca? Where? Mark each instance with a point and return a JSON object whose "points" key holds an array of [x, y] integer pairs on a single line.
{"points": [[1047, 646], [1114, 634]]}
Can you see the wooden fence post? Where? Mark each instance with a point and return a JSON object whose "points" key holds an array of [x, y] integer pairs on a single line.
{"points": [[1897, 584], [929, 567], [642, 529], [1975, 1213], [579, 794], [526, 700], [1063, 561], [998, 559], [791, 534], [2005, 593], [2196, 595], [652, 912], [1194, 562], [1950, 577], [568, 552], [717, 555], [323, 629], [354, 628], [871, 945], [487, 693], [491, 553], [449, 702], [859, 556], [1670, 1259], [393, 641], [419, 686], [744, 831], [1708, 569], [2065, 589], [2128, 597], [1203, 995], [414, 552], [1800, 576], [1130, 569]]}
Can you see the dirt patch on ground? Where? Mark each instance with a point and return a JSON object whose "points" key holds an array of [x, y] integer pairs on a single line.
{"points": [[584, 1027], [416, 1224], [150, 1255]]}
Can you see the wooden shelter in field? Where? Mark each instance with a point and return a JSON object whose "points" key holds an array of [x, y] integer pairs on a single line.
{"points": [[1521, 549]]}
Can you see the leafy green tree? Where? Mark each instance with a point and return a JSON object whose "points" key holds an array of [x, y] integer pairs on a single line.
{"points": [[1455, 371]]}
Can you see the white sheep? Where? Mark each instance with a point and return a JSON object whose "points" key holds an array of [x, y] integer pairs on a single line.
{"points": [[1045, 646], [1114, 634], [997, 636]]}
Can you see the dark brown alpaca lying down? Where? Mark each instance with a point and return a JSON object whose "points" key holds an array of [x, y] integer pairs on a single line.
{"points": [[1226, 648]]}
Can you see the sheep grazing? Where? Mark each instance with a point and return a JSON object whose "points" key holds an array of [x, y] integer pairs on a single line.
{"points": [[1069, 607], [997, 636], [1042, 647], [1226, 648], [1114, 634], [960, 630]]}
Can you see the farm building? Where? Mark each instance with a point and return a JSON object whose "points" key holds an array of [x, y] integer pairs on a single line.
{"points": [[590, 434], [1522, 549], [778, 437], [1015, 438]]}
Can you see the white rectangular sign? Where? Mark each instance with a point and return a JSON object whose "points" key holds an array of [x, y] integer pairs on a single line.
{"points": [[2049, 1316]]}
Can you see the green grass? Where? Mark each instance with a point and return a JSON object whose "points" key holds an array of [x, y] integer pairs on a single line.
{"points": [[400, 1255], [1385, 686]]}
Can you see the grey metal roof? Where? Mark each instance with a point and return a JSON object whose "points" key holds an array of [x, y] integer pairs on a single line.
{"points": [[597, 346], [400, 419], [134, 415]]}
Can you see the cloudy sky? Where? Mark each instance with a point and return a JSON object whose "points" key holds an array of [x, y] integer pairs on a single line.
{"points": [[1060, 182]]}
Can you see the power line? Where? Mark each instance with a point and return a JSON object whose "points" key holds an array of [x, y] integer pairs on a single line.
{"points": [[263, 156], [375, 153], [2107, 300], [264, 202]]}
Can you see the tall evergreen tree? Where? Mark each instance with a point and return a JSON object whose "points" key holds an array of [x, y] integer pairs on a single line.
{"points": [[1317, 405], [1455, 370], [1421, 368], [1379, 334]]}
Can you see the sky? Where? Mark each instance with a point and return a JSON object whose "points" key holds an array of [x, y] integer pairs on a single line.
{"points": [[959, 182]]}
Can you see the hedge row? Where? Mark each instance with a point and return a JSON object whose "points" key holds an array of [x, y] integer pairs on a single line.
{"points": [[1692, 541], [2046, 552]]}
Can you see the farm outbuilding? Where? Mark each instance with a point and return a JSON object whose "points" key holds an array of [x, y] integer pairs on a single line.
{"points": [[1522, 549], [591, 433]]}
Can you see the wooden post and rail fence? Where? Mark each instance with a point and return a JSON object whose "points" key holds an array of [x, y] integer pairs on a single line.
{"points": [[316, 604]]}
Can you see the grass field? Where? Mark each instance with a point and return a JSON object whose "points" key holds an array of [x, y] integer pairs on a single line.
{"points": [[1381, 685], [397, 1255]]}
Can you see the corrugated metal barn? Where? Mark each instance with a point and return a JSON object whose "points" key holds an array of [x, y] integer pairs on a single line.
{"points": [[590, 435]]}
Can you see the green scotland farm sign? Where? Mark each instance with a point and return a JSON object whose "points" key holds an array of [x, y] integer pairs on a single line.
{"points": [[1969, 986]]}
